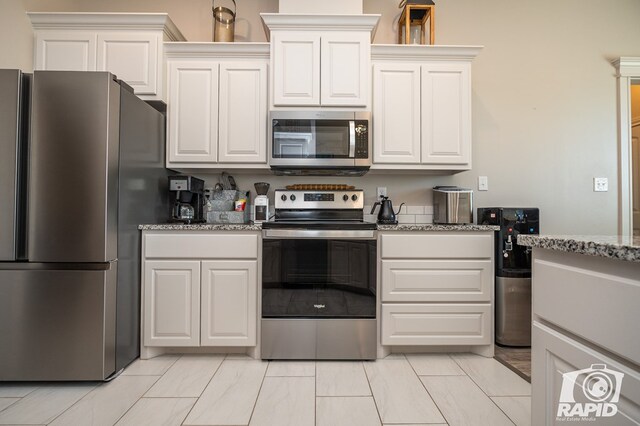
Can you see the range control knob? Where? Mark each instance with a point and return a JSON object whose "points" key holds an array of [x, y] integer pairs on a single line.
{"points": [[354, 197], [283, 198], [292, 197], [345, 197]]}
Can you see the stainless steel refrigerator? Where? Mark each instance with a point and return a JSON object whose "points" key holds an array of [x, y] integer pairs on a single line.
{"points": [[81, 165]]}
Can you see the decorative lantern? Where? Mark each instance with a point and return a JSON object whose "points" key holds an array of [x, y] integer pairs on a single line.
{"points": [[412, 25], [223, 22]]}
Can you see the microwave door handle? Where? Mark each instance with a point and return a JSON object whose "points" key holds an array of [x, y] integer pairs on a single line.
{"points": [[352, 139]]}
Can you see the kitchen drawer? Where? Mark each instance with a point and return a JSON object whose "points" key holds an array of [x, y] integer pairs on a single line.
{"points": [[201, 245], [441, 324], [594, 298], [554, 354], [437, 280], [437, 245]]}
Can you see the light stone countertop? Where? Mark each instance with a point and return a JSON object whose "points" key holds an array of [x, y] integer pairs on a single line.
{"points": [[258, 227], [435, 227], [202, 227], [614, 247]]}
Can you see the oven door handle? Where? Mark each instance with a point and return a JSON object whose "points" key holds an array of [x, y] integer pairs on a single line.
{"points": [[330, 234]]}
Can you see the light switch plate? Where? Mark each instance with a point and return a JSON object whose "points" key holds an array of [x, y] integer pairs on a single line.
{"points": [[600, 184], [483, 183]]}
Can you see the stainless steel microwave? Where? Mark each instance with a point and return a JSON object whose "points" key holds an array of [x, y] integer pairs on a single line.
{"points": [[320, 141]]}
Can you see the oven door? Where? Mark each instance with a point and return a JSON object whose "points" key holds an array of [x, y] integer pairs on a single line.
{"points": [[318, 274], [319, 139]]}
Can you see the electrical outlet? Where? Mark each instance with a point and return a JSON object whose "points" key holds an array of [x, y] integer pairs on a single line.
{"points": [[483, 183], [600, 184], [382, 191]]}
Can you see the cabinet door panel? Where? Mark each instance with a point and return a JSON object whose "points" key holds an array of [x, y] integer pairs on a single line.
{"points": [[344, 69], [65, 51], [171, 303], [437, 280], [554, 354], [436, 324], [229, 303], [193, 112], [446, 113], [396, 114], [243, 113], [133, 57], [296, 69]]}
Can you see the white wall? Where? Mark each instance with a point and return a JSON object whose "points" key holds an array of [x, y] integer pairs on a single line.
{"points": [[544, 97], [16, 36]]}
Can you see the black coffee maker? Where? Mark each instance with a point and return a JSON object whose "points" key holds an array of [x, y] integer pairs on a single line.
{"points": [[187, 197]]}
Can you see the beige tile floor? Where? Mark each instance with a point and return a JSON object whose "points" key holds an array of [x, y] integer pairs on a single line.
{"points": [[460, 389]]}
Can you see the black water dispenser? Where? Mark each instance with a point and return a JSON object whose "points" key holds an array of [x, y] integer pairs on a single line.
{"points": [[513, 272]]}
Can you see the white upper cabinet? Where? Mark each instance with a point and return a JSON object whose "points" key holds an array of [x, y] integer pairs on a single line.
{"points": [[396, 113], [193, 111], [321, 60], [345, 63], [218, 105], [243, 113], [127, 44], [296, 62], [133, 57], [446, 113], [65, 51], [422, 107]]}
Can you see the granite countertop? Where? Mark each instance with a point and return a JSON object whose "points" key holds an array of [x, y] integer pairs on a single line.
{"points": [[615, 247], [258, 227], [202, 227], [435, 227]]}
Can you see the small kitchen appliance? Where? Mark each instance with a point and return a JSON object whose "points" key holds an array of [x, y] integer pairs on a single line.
{"points": [[261, 203], [318, 277], [452, 205], [386, 215], [187, 196], [320, 143], [513, 272]]}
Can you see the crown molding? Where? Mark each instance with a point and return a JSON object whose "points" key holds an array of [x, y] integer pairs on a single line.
{"points": [[313, 22], [197, 50], [627, 66], [417, 52], [106, 21]]}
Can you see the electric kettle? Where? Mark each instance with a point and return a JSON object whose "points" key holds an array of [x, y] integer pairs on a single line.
{"points": [[386, 215]]}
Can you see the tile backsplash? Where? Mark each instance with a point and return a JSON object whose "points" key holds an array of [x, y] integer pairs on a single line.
{"points": [[408, 214]]}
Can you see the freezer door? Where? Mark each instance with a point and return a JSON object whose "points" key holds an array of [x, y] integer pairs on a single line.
{"points": [[57, 324], [13, 117], [73, 171]]}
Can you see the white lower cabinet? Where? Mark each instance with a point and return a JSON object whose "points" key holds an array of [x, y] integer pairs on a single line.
{"points": [[436, 324], [172, 303], [194, 294], [555, 354], [229, 303], [436, 288]]}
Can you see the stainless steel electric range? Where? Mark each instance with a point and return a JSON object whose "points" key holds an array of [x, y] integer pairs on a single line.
{"points": [[319, 277]]}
